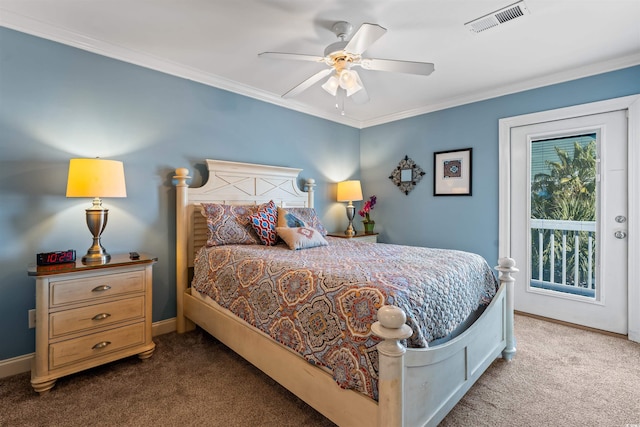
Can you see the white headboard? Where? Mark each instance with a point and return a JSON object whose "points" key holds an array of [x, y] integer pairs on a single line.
{"points": [[228, 183]]}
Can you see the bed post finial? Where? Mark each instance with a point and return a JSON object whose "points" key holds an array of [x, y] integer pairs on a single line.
{"points": [[182, 174], [391, 328], [309, 184], [506, 267], [182, 269]]}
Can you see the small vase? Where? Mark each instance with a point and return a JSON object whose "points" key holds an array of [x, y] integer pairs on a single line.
{"points": [[368, 226]]}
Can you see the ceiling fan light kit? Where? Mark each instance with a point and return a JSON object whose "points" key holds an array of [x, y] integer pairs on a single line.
{"points": [[341, 56], [350, 81], [332, 85], [346, 79]]}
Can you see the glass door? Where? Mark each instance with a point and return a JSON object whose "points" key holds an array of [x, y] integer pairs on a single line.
{"points": [[568, 212]]}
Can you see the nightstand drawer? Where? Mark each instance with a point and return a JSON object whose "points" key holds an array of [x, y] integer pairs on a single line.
{"points": [[371, 238], [96, 345], [359, 237], [77, 290], [95, 316]]}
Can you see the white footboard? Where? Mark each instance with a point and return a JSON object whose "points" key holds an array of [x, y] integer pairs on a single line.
{"points": [[418, 387]]}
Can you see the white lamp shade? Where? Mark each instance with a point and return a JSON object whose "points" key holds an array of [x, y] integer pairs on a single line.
{"points": [[96, 178], [350, 81], [349, 191], [331, 85]]}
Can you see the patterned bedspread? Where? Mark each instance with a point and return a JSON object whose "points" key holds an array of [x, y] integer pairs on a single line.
{"points": [[322, 301]]}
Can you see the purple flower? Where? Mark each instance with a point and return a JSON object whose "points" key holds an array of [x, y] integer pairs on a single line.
{"points": [[367, 207]]}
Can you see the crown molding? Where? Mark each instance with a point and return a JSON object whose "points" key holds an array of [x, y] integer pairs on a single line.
{"points": [[551, 79], [67, 37], [47, 31]]}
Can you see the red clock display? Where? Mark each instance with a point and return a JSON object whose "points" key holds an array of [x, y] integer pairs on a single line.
{"points": [[59, 257]]}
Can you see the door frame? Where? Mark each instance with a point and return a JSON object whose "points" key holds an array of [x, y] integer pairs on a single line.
{"points": [[632, 105]]}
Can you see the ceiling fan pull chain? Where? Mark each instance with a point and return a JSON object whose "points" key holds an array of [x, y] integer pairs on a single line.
{"points": [[340, 101]]}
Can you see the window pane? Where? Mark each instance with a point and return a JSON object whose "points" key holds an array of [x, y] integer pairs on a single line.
{"points": [[563, 214]]}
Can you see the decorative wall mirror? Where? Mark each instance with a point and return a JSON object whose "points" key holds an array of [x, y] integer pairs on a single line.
{"points": [[406, 175]]}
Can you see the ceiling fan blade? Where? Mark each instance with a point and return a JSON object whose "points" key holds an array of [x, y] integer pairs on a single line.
{"points": [[308, 83], [409, 67], [366, 35], [294, 56]]}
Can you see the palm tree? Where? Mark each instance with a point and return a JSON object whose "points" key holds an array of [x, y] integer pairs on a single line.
{"points": [[567, 192], [570, 179]]}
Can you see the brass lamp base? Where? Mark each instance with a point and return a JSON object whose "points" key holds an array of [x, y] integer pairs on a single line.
{"points": [[351, 211], [350, 232], [96, 254], [96, 221]]}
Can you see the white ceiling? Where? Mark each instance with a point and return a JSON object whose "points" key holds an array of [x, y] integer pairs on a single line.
{"points": [[216, 42]]}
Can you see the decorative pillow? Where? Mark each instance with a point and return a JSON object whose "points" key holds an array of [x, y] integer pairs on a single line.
{"points": [[301, 237], [300, 217], [264, 223], [230, 224]]}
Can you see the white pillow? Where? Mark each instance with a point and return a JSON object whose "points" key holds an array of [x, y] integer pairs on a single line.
{"points": [[301, 237], [300, 217]]}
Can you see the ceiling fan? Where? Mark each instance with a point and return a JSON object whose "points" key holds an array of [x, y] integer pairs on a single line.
{"points": [[341, 56]]}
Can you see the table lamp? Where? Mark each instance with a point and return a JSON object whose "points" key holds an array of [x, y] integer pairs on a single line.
{"points": [[96, 178], [350, 191]]}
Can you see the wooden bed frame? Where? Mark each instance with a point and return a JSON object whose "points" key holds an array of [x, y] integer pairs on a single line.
{"points": [[416, 386]]}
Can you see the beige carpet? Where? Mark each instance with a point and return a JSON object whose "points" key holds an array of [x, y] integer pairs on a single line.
{"points": [[561, 376]]}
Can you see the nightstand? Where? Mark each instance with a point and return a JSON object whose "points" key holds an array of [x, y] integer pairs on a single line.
{"points": [[360, 236], [88, 315]]}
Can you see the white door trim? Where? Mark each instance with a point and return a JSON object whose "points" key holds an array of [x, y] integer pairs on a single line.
{"points": [[630, 103]]}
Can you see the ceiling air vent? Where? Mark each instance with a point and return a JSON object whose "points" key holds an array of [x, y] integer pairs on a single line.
{"points": [[498, 17]]}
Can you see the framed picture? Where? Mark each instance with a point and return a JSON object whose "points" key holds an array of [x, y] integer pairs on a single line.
{"points": [[452, 173]]}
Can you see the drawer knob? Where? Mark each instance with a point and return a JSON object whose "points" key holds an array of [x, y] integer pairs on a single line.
{"points": [[100, 345], [101, 316], [101, 288]]}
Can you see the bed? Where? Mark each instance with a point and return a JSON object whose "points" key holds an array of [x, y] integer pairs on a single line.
{"points": [[409, 386]]}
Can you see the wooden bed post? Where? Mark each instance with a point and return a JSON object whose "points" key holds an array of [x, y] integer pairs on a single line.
{"points": [[392, 328], [182, 238], [506, 266], [309, 184]]}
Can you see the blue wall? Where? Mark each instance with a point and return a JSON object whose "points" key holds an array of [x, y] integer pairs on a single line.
{"points": [[462, 222], [57, 102]]}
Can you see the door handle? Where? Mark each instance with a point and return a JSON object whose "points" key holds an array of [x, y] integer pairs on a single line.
{"points": [[620, 234]]}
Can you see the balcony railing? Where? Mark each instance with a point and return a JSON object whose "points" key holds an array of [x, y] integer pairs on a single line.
{"points": [[563, 254]]}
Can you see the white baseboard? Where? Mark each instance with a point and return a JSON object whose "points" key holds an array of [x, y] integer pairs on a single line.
{"points": [[16, 365], [163, 327], [20, 364]]}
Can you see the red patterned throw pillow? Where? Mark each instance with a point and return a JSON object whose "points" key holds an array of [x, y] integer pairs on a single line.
{"points": [[230, 224], [264, 223]]}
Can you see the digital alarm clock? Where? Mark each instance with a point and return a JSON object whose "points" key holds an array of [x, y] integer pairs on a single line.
{"points": [[59, 257]]}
